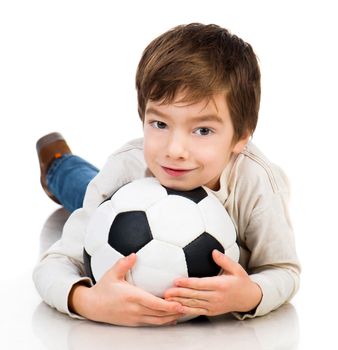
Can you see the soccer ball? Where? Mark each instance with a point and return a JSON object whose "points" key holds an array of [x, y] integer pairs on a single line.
{"points": [[172, 233]]}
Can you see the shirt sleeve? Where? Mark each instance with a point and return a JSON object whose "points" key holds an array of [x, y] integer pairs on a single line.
{"points": [[61, 266], [272, 260]]}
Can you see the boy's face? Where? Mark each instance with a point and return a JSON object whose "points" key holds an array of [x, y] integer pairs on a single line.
{"points": [[187, 145]]}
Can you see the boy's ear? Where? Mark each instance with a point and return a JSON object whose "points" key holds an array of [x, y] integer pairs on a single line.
{"points": [[241, 143]]}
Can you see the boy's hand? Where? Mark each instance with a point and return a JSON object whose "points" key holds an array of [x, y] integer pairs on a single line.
{"points": [[231, 291], [113, 300]]}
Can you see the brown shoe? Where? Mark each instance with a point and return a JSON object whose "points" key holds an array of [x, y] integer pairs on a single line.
{"points": [[49, 148]]}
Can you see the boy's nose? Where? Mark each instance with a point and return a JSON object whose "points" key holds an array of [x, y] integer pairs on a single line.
{"points": [[177, 147]]}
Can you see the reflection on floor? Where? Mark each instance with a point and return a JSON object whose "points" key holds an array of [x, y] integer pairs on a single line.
{"points": [[278, 330]]}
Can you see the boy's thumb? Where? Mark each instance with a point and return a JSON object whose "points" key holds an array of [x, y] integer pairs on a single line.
{"points": [[123, 265], [227, 264]]}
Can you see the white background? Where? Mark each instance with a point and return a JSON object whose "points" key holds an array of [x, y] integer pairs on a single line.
{"points": [[69, 66]]}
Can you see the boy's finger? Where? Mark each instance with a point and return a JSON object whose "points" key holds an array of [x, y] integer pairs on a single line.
{"points": [[226, 263], [195, 311], [191, 303], [204, 283], [158, 313], [122, 266], [159, 321], [186, 293], [154, 303]]}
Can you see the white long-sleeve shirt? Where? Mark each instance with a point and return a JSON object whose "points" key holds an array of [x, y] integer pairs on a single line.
{"points": [[253, 190]]}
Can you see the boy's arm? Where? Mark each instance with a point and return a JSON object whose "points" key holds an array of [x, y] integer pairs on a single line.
{"points": [[60, 266], [259, 207], [113, 300], [270, 254], [60, 281], [266, 237], [271, 279], [59, 276]]}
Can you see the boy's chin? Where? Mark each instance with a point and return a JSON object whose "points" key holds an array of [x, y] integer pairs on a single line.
{"points": [[178, 187]]}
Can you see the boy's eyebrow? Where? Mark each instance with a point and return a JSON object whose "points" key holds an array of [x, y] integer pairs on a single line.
{"points": [[209, 118], [201, 118]]}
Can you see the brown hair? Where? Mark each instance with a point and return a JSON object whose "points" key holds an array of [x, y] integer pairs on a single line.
{"points": [[201, 60]]}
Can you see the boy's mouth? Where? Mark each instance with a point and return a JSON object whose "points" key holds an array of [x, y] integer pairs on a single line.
{"points": [[175, 172]]}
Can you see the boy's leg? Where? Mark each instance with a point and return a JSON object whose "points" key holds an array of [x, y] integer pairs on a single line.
{"points": [[64, 176], [68, 178]]}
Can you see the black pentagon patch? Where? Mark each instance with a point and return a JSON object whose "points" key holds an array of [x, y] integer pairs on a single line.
{"points": [[196, 195], [199, 258], [87, 264], [129, 232]]}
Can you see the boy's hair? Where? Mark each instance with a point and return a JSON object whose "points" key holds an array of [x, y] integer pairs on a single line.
{"points": [[200, 61]]}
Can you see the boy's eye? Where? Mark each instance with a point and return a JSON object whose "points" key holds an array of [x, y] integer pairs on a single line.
{"points": [[158, 125], [203, 131]]}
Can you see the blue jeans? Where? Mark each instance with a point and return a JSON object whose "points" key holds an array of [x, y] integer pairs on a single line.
{"points": [[68, 178]]}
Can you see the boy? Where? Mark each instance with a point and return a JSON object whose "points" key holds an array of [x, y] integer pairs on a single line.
{"points": [[198, 98]]}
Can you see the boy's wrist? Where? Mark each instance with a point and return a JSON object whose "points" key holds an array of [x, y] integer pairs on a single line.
{"points": [[251, 308], [252, 300], [78, 298], [257, 298]]}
